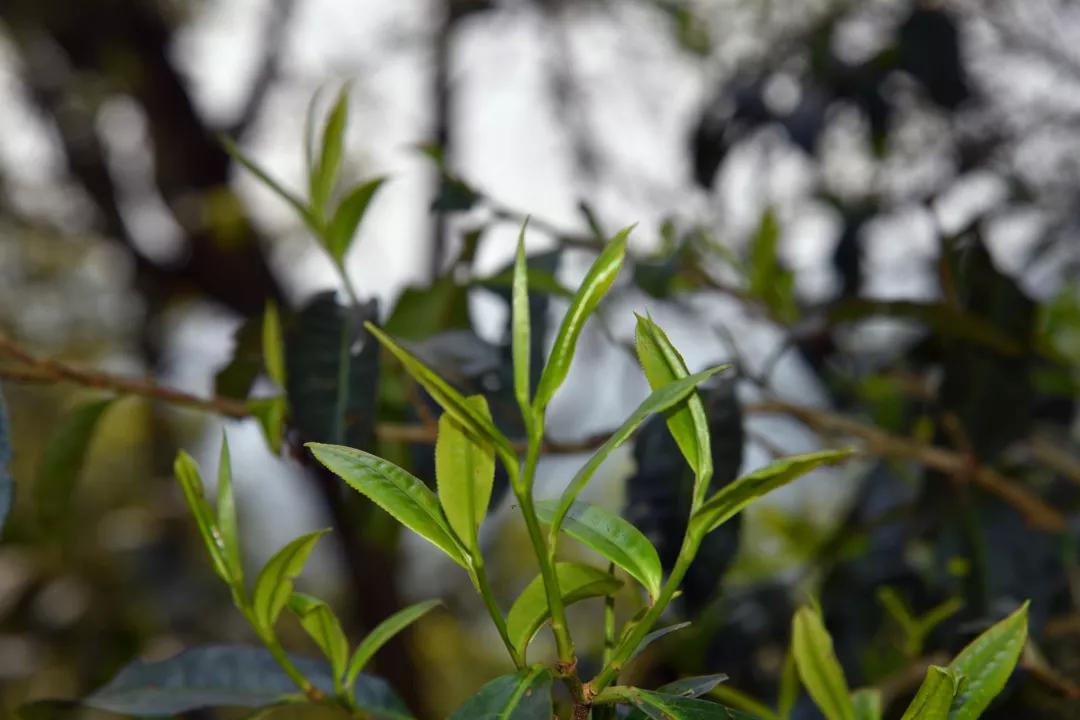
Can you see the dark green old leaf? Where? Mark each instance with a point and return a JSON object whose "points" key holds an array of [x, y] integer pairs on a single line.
{"points": [[226, 676], [661, 706], [63, 460], [525, 695], [237, 377], [333, 368]]}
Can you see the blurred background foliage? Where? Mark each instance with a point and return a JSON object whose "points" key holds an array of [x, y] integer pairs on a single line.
{"points": [[868, 206]]}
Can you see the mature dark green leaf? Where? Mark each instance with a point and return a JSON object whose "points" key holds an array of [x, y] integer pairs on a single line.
{"points": [[226, 676], [421, 312], [323, 626], [274, 586], [658, 401], [530, 611], [187, 473], [687, 422], [7, 481], [448, 398], [465, 474], [731, 499], [692, 687], [324, 174], [226, 516], [238, 376], [611, 536], [347, 218], [396, 491], [526, 695], [333, 368], [935, 696], [63, 460], [383, 633], [987, 663], [273, 344], [661, 706], [593, 288], [819, 669]]}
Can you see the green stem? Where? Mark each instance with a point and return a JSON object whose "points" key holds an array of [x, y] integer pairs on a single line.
{"points": [[523, 488], [313, 693], [480, 580], [626, 648]]}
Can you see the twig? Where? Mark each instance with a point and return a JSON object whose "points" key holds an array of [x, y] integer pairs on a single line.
{"points": [[881, 442], [1040, 515]]}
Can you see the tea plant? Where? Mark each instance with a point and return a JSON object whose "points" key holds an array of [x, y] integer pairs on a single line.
{"points": [[469, 445]]}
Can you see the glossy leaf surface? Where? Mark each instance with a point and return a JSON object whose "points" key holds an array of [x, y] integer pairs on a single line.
{"points": [[525, 695], [611, 536], [396, 491], [465, 473], [934, 699], [987, 663]]}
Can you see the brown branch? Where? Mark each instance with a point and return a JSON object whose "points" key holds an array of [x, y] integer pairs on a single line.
{"points": [[30, 368], [881, 442]]}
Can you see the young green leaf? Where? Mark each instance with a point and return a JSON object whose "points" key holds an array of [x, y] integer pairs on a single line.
{"points": [[819, 669], [687, 423], [187, 473], [270, 413], [323, 626], [732, 498], [659, 401], [525, 695], [789, 687], [611, 536], [226, 517], [324, 174], [530, 611], [347, 218], [274, 585], [595, 285], [521, 341], [396, 491], [273, 344], [867, 704], [447, 397], [935, 696], [987, 663], [383, 633], [465, 473], [295, 202], [65, 454]]}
